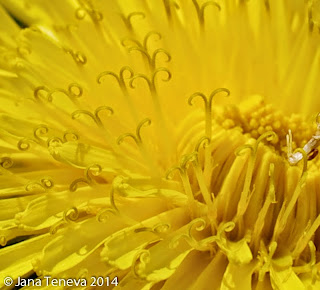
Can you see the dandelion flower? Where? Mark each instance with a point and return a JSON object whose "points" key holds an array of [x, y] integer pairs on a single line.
{"points": [[169, 143]]}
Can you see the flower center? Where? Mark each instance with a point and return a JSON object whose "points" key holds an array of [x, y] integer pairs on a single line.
{"points": [[256, 117]]}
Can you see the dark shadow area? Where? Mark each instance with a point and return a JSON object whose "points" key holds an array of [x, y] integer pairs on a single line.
{"points": [[18, 21], [16, 240]]}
